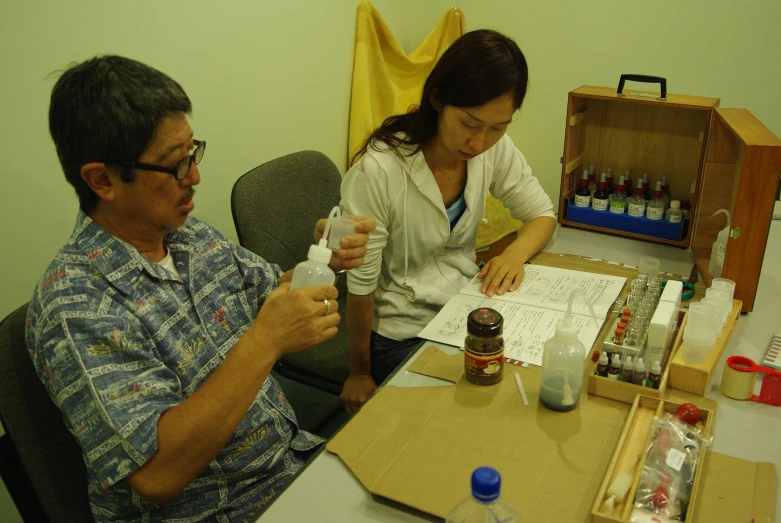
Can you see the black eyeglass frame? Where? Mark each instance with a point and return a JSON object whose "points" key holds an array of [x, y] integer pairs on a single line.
{"points": [[178, 171]]}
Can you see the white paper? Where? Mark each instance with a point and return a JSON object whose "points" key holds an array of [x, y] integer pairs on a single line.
{"points": [[550, 287], [532, 312]]}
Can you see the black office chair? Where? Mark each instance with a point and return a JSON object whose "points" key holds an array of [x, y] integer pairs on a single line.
{"points": [[40, 461], [275, 207]]}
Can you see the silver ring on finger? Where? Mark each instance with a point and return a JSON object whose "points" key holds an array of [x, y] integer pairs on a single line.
{"points": [[327, 307]]}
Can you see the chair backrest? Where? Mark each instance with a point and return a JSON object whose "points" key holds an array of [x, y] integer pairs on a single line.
{"points": [[51, 458], [275, 205]]}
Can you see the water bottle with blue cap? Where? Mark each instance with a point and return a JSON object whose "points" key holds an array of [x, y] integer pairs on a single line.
{"points": [[485, 505]]}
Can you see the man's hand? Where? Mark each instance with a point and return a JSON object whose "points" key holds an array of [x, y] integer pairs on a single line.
{"points": [[352, 248], [293, 321], [501, 274], [356, 389]]}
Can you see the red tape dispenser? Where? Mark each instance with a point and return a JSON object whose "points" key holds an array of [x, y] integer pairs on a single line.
{"points": [[740, 374]]}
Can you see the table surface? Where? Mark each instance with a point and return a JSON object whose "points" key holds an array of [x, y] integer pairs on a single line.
{"points": [[327, 491]]}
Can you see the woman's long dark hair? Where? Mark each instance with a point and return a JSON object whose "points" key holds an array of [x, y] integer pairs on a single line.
{"points": [[477, 68]]}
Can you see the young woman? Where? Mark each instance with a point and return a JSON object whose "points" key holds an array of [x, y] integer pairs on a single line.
{"points": [[424, 177]]}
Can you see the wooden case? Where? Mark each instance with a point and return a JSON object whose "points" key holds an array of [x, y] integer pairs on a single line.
{"points": [[714, 158], [633, 442]]}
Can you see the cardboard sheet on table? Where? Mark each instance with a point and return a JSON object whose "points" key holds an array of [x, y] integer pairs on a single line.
{"points": [[418, 446]]}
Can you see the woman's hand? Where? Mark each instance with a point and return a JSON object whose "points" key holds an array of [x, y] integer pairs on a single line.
{"points": [[352, 248], [503, 273]]}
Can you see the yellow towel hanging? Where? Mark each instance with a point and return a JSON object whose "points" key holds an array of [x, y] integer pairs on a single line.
{"points": [[387, 81]]}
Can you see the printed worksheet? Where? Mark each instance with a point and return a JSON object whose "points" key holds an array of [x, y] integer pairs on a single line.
{"points": [[532, 312]]}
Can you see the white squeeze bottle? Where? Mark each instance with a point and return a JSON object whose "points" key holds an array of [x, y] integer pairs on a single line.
{"points": [[315, 270], [719, 249], [562, 363], [485, 505]]}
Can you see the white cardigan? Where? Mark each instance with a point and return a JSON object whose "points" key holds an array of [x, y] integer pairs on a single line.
{"points": [[414, 262]]}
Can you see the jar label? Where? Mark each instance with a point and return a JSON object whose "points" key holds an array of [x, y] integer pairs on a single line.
{"points": [[599, 205], [617, 207], [675, 218], [636, 209], [655, 213], [582, 201], [486, 366]]}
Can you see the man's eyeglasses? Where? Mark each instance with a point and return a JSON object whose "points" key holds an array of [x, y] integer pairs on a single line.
{"points": [[179, 170]]}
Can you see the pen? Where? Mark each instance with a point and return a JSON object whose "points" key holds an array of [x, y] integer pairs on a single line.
{"points": [[520, 389]]}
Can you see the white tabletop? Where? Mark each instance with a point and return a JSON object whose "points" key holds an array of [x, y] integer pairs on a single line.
{"points": [[327, 491]]}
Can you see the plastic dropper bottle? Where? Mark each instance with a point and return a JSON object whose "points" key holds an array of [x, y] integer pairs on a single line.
{"points": [[315, 270], [646, 187], [614, 371], [636, 203], [582, 194], [562, 362], [665, 192], [610, 186], [627, 181], [655, 209], [719, 249], [592, 180], [600, 199], [618, 198], [603, 365], [627, 373], [674, 214], [639, 377], [655, 376]]}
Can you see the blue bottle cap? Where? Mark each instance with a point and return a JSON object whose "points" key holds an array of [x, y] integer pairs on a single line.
{"points": [[486, 483]]}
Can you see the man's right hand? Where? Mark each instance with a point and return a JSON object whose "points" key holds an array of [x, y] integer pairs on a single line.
{"points": [[356, 389], [293, 321]]}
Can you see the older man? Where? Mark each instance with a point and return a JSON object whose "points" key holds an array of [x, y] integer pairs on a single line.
{"points": [[153, 333]]}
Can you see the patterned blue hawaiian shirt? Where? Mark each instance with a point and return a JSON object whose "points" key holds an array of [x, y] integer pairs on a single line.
{"points": [[118, 340]]}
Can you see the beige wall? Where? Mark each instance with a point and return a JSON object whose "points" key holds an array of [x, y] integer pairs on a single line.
{"points": [[269, 78]]}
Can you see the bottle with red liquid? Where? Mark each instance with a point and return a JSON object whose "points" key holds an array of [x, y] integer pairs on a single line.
{"points": [[601, 198], [592, 179], [582, 194]]}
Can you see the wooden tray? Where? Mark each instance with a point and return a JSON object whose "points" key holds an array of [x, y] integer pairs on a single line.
{"points": [[634, 442], [695, 378]]}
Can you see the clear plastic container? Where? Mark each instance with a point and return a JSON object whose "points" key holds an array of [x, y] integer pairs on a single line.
{"points": [[485, 505], [314, 271]]}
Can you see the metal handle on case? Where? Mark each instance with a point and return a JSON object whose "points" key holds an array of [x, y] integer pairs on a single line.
{"points": [[643, 78]]}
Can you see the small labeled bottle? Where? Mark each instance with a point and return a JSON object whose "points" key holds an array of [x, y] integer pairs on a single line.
{"points": [[610, 185], [484, 347], [655, 376], [601, 198], [592, 179], [674, 214], [582, 194], [485, 504], [636, 203], [640, 374], [655, 208], [665, 192], [618, 198], [315, 270], [614, 371], [627, 182], [627, 372], [646, 187], [603, 365]]}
